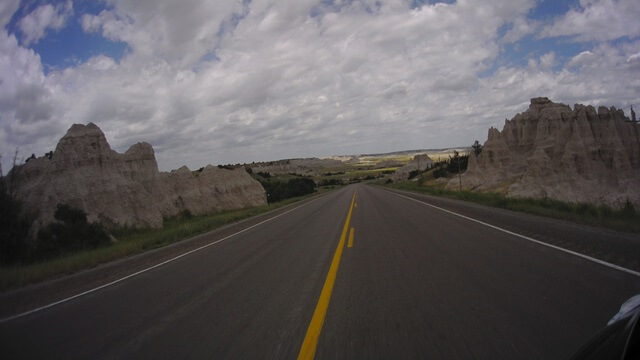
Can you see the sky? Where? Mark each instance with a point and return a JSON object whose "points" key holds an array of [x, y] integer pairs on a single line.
{"points": [[219, 82]]}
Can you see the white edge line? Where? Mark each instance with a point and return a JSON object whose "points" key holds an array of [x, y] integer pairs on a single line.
{"points": [[613, 266], [13, 317]]}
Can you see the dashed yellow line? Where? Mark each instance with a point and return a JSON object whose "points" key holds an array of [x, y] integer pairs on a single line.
{"points": [[350, 244], [310, 343]]}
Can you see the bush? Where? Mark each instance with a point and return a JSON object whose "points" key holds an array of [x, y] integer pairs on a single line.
{"points": [[279, 190], [439, 172], [628, 211], [70, 233]]}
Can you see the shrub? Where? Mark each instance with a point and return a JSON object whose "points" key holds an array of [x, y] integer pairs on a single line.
{"points": [[439, 172], [628, 211], [70, 233], [279, 190]]}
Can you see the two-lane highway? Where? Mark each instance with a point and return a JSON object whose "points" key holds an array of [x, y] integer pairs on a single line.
{"points": [[416, 282]]}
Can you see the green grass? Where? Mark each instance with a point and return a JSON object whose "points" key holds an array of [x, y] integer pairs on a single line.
{"points": [[129, 242], [626, 219]]}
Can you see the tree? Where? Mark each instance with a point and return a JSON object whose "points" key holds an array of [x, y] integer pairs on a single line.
{"points": [[280, 190], [71, 232], [477, 148]]}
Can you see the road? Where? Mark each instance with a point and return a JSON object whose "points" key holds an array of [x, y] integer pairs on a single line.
{"points": [[410, 281]]}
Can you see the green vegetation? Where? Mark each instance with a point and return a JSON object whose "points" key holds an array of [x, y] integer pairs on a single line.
{"points": [[477, 147], [625, 219], [70, 233], [280, 190], [128, 242]]}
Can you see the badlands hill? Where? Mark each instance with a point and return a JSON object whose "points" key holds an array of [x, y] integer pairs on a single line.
{"points": [[551, 150], [418, 163], [126, 189]]}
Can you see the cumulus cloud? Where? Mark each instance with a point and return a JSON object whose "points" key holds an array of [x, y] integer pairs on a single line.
{"points": [[598, 20], [26, 103], [284, 78], [180, 32], [23, 92], [44, 17], [246, 81], [581, 59]]}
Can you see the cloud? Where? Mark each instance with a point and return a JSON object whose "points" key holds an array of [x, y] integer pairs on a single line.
{"points": [[7, 9], [23, 90], [581, 59], [597, 20], [262, 80], [521, 27], [26, 105], [281, 78], [179, 32], [44, 17], [634, 58]]}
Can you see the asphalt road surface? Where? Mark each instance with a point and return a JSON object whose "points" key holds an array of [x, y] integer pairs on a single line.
{"points": [[361, 273]]}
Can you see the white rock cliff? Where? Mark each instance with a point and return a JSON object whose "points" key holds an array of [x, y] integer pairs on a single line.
{"points": [[126, 189], [551, 150], [419, 162]]}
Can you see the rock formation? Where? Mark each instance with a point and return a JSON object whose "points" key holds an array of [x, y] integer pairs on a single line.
{"points": [[551, 150], [126, 189], [419, 162]]}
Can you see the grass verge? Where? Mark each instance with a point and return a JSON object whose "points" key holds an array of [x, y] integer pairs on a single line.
{"points": [[129, 242], [626, 219]]}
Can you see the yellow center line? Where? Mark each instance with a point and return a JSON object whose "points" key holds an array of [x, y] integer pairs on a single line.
{"points": [[350, 244], [308, 349]]}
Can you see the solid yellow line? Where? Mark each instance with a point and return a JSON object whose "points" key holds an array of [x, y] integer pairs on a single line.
{"points": [[308, 349], [350, 244]]}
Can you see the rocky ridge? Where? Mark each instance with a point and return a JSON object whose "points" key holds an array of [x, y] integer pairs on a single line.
{"points": [[419, 162], [305, 167], [126, 189], [551, 150]]}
